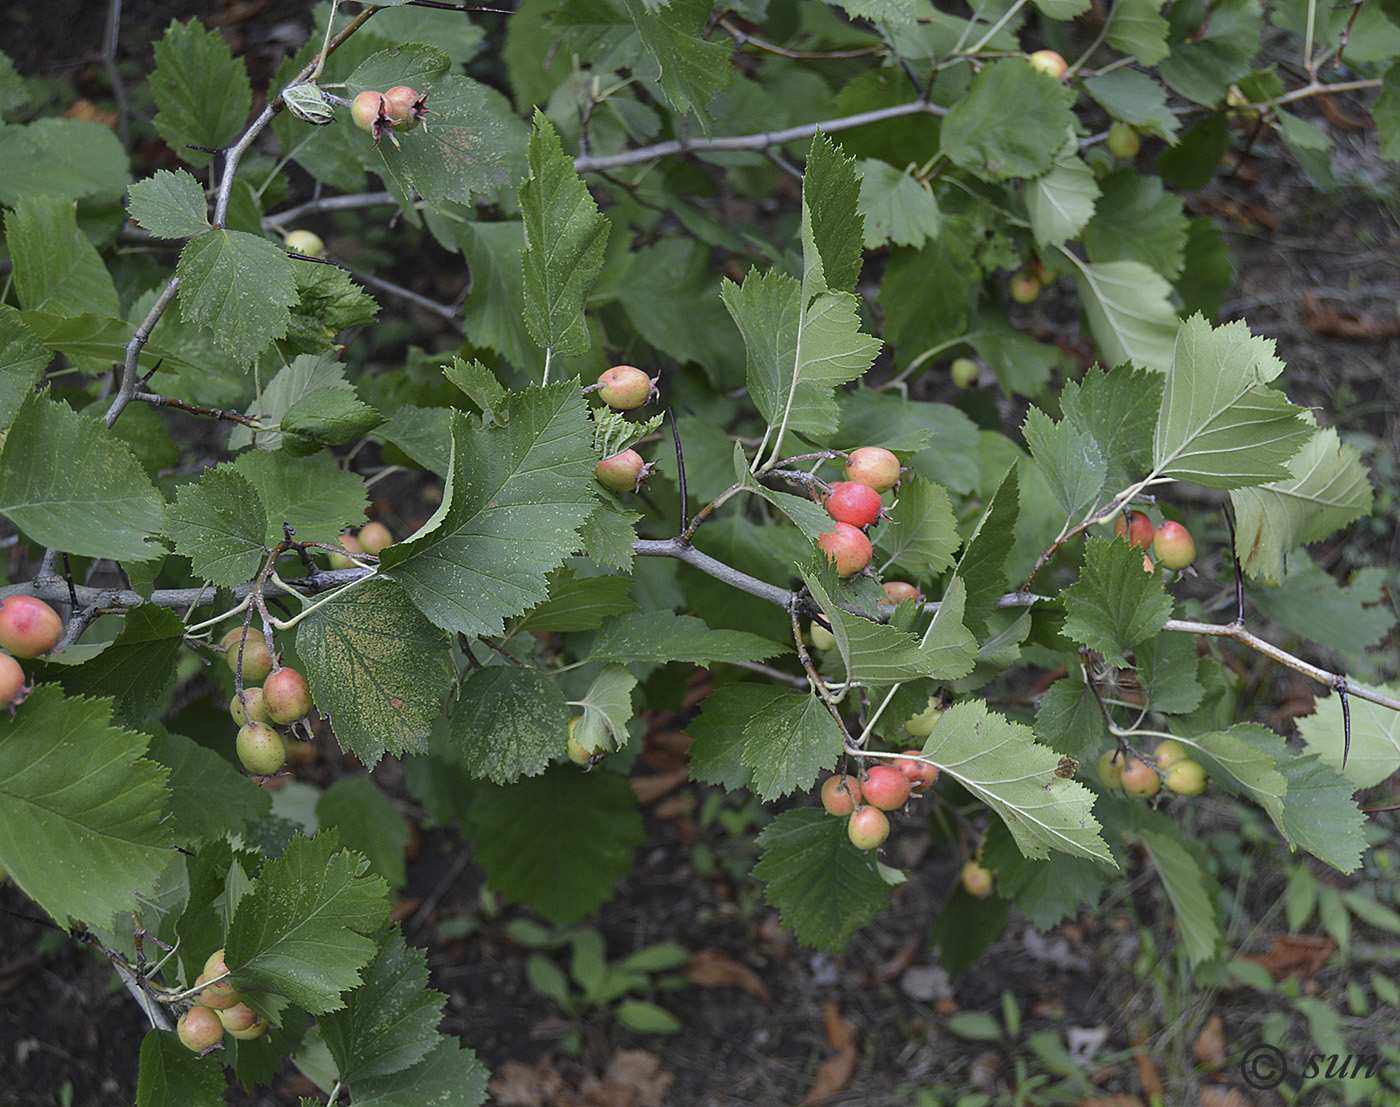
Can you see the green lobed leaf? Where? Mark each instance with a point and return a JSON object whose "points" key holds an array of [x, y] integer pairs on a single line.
{"points": [[717, 738], [923, 532], [449, 1076], [598, 812], [1311, 603], [1311, 146], [476, 382], [368, 823], [169, 205], [873, 653], [925, 294], [1207, 272], [1011, 122], [377, 667], [208, 796], [234, 275], [1134, 97], [982, 566], [332, 416], [1119, 410], [787, 742], [1070, 459], [75, 158], [1047, 892], [948, 643], [565, 241], [677, 271], [646, 636], [494, 314], [891, 11], [1184, 867], [1130, 312], [1069, 720], [1136, 27], [1219, 425], [1021, 363], [1167, 669], [171, 1076], [390, 1021], [113, 511], [577, 603], [832, 225], [96, 339], [607, 536], [1327, 487], [137, 670], [1062, 200], [607, 709], [1114, 605], [220, 524], [508, 722], [1386, 113], [314, 494], [56, 269], [328, 302], [1208, 55], [898, 210], [516, 496], [201, 91], [823, 887], [22, 362], [693, 70], [1374, 753], [1000, 763], [81, 828], [302, 931], [305, 374], [1136, 220], [1320, 815]]}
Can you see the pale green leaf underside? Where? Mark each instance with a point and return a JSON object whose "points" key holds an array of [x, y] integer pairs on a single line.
{"points": [[1130, 313]]}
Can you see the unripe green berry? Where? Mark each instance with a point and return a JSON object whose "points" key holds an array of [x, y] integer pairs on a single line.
{"points": [[251, 709], [257, 658], [261, 749]]}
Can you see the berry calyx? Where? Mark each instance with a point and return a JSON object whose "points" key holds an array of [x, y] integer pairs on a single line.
{"points": [[199, 1029], [1123, 140], [624, 387], [1111, 768], [374, 537], [1135, 527], [260, 748], [921, 775], [404, 108], [257, 658], [867, 827], [1140, 779], [249, 709], [977, 879], [964, 372], [885, 787], [1024, 287], [897, 591], [1186, 778], [286, 696], [922, 724], [1173, 545], [848, 547], [28, 626], [849, 501], [1049, 62], [11, 680], [841, 794], [622, 472], [370, 113], [822, 638], [307, 243], [875, 466]]}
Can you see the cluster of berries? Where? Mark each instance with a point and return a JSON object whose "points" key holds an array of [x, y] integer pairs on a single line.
{"points": [[1170, 764], [1171, 543], [855, 504], [217, 1008], [28, 627], [400, 109], [622, 388], [881, 788], [273, 695]]}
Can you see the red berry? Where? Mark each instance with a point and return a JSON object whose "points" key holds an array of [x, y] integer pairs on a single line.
{"points": [[897, 591], [369, 112], [11, 680], [885, 787], [1136, 527], [840, 794], [1173, 545], [28, 626], [875, 466], [622, 472], [851, 502], [404, 108], [1140, 779], [199, 1028], [624, 387], [848, 547], [922, 776], [867, 827], [286, 696]]}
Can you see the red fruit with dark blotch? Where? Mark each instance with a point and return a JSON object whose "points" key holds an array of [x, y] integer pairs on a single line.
{"points": [[624, 387], [875, 466], [28, 626], [849, 501], [1136, 527], [1173, 545], [848, 547], [885, 787], [199, 1028], [257, 658], [867, 827], [404, 108], [622, 472], [11, 680], [1140, 779], [374, 538], [261, 749], [977, 879], [897, 591], [369, 112], [921, 775], [840, 794], [286, 696]]}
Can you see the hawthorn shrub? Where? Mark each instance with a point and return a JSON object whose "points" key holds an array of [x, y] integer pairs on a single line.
{"points": [[795, 218]]}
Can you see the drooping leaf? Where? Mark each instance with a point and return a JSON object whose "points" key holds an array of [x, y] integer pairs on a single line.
{"points": [[1374, 753], [169, 205], [1062, 200], [873, 653], [208, 796], [898, 210], [201, 91], [331, 416], [1208, 55], [717, 736], [1070, 459], [516, 495], [138, 670], [171, 1076], [1134, 97], [645, 636], [577, 603], [1136, 220], [1167, 671], [1184, 871], [508, 722], [368, 823], [74, 158], [377, 667], [925, 294], [81, 828], [565, 240], [1114, 605], [982, 566], [949, 645], [561, 878], [302, 931], [1070, 721], [693, 70], [235, 275], [1320, 815], [220, 524], [922, 535], [449, 1076], [56, 269], [607, 709], [113, 511], [1047, 891], [22, 362], [788, 742], [1011, 122], [1351, 620], [824, 888], [1130, 313], [1311, 146], [1136, 27]]}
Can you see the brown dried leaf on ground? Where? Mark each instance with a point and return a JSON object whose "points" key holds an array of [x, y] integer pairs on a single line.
{"points": [[1148, 1077], [1344, 324], [516, 1084], [649, 789], [835, 1072], [1295, 955], [1216, 1095], [712, 968], [1210, 1043], [640, 1072]]}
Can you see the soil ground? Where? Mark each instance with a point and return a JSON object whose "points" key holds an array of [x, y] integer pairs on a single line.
{"points": [[1320, 273]]}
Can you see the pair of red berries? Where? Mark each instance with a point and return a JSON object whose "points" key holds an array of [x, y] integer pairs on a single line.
{"points": [[622, 388], [1171, 542], [28, 627], [399, 109], [882, 788], [855, 504]]}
